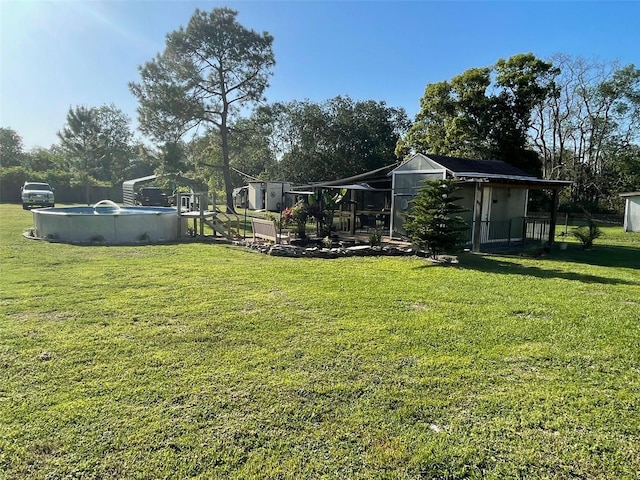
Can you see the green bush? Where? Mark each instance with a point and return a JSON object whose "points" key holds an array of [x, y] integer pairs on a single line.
{"points": [[433, 223]]}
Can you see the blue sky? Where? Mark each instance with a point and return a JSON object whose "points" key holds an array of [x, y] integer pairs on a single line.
{"points": [[60, 54]]}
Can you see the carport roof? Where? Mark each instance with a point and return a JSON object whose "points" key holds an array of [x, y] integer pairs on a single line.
{"points": [[356, 182], [531, 182]]}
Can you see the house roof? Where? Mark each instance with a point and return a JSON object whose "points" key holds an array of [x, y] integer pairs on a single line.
{"points": [[489, 171], [630, 194], [460, 166]]}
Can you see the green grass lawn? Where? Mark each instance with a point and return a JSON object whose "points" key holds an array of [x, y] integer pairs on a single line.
{"points": [[210, 361]]}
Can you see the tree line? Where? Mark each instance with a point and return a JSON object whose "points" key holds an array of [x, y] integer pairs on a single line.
{"points": [[203, 111]]}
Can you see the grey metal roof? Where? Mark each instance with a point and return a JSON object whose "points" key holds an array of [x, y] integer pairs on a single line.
{"points": [[132, 183], [457, 165], [490, 171]]}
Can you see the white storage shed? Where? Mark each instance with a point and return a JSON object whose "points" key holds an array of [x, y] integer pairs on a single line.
{"points": [[267, 195], [631, 211]]}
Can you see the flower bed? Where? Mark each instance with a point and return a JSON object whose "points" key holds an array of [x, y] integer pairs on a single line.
{"points": [[329, 253]]}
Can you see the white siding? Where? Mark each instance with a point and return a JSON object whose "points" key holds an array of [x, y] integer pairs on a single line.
{"points": [[632, 214]]}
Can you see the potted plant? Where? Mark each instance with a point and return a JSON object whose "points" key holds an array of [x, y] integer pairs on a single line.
{"points": [[563, 243]]}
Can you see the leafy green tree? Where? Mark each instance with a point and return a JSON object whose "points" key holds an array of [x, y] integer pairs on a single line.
{"points": [[454, 117], [250, 155], [483, 112], [433, 222], [365, 133], [335, 139], [116, 144], [298, 139], [143, 161], [624, 173], [206, 74], [79, 141], [621, 174], [97, 143], [524, 82], [429, 132], [249, 147], [43, 159], [11, 148], [172, 158]]}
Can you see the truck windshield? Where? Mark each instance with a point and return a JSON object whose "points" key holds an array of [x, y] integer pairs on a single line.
{"points": [[37, 186]]}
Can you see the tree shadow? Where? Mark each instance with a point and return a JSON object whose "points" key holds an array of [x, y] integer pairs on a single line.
{"points": [[493, 264], [616, 256]]}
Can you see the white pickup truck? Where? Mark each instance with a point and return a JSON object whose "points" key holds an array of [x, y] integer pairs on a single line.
{"points": [[36, 194]]}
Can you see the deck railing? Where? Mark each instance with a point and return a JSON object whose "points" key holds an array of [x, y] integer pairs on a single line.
{"points": [[509, 232], [536, 228]]}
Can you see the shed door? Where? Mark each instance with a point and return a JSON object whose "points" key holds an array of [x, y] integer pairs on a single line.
{"points": [[400, 206], [486, 214], [486, 204]]}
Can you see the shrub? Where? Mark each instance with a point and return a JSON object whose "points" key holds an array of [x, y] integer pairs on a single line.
{"points": [[375, 238], [433, 223], [298, 215]]}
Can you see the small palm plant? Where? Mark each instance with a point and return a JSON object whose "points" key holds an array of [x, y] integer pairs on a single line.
{"points": [[587, 233]]}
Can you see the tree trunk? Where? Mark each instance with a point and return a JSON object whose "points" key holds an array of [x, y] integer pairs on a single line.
{"points": [[226, 172]]}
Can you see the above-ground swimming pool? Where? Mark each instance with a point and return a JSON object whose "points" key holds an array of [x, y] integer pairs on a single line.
{"points": [[108, 223]]}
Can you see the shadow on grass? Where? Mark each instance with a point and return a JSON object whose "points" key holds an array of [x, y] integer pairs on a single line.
{"points": [[607, 257], [601, 255]]}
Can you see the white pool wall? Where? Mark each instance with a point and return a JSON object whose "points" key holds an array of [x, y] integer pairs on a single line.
{"points": [[131, 225]]}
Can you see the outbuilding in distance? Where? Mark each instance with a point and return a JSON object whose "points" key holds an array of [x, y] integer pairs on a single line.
{"points": [[631, 211], [267, 195]]}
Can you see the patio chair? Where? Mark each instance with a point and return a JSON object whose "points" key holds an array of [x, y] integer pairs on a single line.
{"points": [[367, 221]]}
